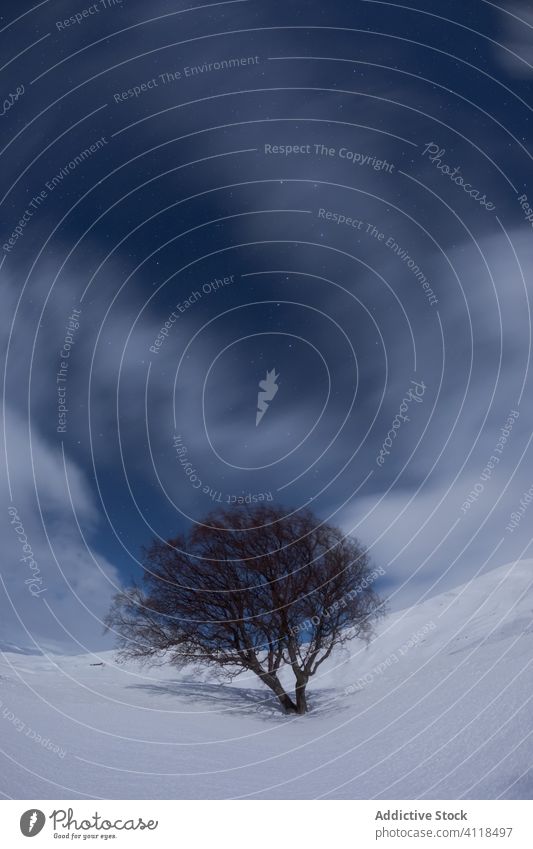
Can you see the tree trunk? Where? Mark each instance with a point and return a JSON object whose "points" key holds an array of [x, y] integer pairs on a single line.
{"points": [[301, 700], [287, 703], [274, 683]]}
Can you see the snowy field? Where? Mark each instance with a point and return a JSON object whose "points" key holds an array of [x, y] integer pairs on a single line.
{"points": [[438, 706]]}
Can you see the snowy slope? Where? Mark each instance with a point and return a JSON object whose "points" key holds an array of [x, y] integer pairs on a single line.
{"points": [[436, 707]]}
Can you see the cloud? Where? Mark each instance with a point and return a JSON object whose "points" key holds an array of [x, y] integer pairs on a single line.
{"points": [[474, 372], [516, 26], [445, 515], [49, 517]]}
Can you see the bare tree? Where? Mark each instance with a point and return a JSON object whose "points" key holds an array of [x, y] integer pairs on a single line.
{"points": [[250, 589]]}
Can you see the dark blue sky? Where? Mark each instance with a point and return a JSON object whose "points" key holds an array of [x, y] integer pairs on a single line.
{"points": [[335, 191]]}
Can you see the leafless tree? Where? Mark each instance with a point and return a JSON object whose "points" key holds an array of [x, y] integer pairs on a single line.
{"points": [[250, 589]]}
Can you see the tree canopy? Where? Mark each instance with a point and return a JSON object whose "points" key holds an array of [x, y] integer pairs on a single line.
{"points": [[250, 589]]}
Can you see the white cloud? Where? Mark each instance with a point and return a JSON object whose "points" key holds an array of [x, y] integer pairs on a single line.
{"points": [[38, 475]]}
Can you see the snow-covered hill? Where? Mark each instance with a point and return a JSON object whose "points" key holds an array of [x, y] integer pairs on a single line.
{"points": [[438, 706]]}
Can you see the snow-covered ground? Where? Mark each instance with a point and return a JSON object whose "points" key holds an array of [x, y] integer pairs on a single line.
{"points": [[438, 706]]}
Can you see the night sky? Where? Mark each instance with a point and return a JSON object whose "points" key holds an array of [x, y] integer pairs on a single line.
{"points": [[194, 195]]}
